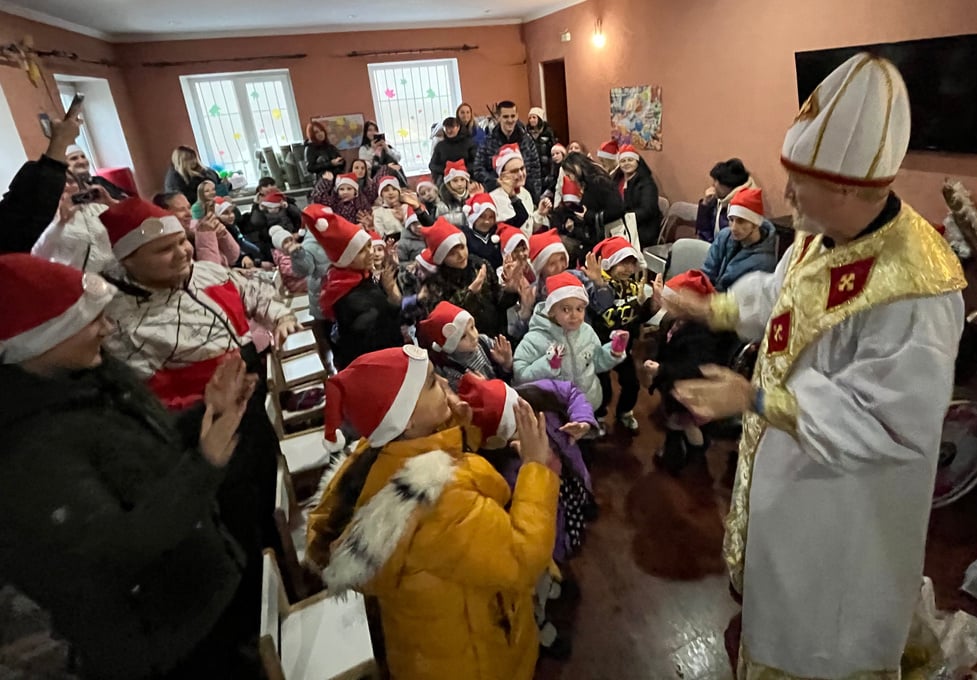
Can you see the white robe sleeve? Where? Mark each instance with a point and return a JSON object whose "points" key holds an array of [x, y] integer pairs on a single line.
{"points": [[755, 294], [886, 403]]}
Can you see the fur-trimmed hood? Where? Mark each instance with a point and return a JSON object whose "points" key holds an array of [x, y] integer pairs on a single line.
{"points": [[378, 526]]}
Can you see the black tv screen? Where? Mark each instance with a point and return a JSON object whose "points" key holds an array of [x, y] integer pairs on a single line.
{"points": [[940, 74]]}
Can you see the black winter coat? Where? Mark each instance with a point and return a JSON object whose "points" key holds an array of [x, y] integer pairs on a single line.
{"points": [[545, 140], [110, 520], [484, 171], [30, 203], [461, 147], [320, 157], [691, 346], [488, 307], [641, 198], [366, 321], [485, 246], [603, 204]]}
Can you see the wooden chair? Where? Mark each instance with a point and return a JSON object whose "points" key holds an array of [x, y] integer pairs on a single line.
{"points": [[303, 451], [297, 302], [298, 343], [299, 370], [318, 638], [291, 525]]}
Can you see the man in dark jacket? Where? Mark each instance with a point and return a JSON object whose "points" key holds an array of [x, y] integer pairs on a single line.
{"points": [[457, 145], [34, 195], [508, 131], [110, 519]]}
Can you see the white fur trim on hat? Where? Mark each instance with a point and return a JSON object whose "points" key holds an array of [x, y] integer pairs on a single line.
{"points": [[454, 173], [149, 230], [745, 213], [271, 204], [355, 245], [619, 257], [347, 181], [507, 424], [425, 265], [628, 154], [453, 332], [565, 293], [446, 245], [411, 219], [222, 207], [514, 242], [426, 183], [72, 150], [609, 156], [546, 253], [502, 160], [96, 294], [478, 211], [389, 180], [398, 415]]}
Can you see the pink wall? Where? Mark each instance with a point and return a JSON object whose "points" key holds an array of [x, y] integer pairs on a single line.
{"points": [[326, 82], [26, 101], [728, 78]]}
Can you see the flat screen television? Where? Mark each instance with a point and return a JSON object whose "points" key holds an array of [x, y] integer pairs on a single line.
{"points": [[940, 74]]}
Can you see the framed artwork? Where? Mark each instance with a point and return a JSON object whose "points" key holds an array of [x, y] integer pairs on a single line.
{"points": [[346, 132], [636, 116]]}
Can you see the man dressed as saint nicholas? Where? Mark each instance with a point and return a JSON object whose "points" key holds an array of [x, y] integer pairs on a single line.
{"points": [[841, 430]]}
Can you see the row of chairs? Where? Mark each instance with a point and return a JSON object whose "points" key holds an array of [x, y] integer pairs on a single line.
{"points": [[305, 634]]}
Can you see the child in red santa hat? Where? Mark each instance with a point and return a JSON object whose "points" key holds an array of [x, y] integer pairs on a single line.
{"points": [[415, 518], [688, 345], [465, 280], [342, 194], [457, 346], [482, 230], [561, 344], [366, 312], [456, 189]]}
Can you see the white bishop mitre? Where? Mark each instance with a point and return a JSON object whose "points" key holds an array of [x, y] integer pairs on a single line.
{"points": [[854, 128]]}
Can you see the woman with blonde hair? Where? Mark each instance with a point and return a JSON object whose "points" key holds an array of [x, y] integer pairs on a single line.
{"points": [[466, 116], [186, 172]]}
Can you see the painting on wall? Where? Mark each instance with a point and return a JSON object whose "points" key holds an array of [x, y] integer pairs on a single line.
{"points": [[636, 116], [345, 132]]}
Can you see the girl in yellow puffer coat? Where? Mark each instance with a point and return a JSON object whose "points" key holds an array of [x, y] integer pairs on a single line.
{"points": [[418, 520]]}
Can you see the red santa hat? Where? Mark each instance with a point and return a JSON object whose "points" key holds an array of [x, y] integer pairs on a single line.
{"points": [[222, 205], [694, 280], [411, 217], [349, 179], [375, 238], [608, 150], [506, 153], [558, 147], [45, 303], [273, 199], [563, 286], [341, 239], [426, 182], [493, 405], [453, 169], [133, 222], [544, 245], [615, 250], [426, 260], [388, 181], [509, 238], [627, 151], [748, 204], [476, 206], [376, 394], [570, 190], [441, 238], [445, 326]]}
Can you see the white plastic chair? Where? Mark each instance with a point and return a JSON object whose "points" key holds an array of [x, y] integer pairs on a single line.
{"points": [[686, 254]]}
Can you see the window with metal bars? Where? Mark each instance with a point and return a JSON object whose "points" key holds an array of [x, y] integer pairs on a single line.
{"points": [[233, 115], [411, 98]]}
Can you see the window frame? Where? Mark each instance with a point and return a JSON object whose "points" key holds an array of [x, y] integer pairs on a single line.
{"points": [[197, 114], [379, 105]]}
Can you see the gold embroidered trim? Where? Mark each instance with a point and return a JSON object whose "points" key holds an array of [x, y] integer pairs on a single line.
{"points": [[780, 409], [748, 669], [911, 260], [724, 312]]}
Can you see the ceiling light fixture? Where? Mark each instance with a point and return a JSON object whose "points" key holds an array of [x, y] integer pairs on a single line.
{"points": [[599, 39]]}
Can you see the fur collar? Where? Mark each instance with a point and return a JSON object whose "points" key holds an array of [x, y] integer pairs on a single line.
{"points": [[378, 527]]}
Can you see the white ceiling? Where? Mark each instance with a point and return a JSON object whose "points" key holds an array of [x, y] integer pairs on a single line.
{"points": [[130, 20]]}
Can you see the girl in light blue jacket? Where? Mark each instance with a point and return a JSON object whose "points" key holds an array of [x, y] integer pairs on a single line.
{"points": [[561, 345]]}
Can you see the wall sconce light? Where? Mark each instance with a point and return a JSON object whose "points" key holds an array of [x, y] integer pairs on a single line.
{"points": [[599, 39]]}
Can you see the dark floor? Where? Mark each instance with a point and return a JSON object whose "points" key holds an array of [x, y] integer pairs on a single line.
{"points": [[654, 601]]}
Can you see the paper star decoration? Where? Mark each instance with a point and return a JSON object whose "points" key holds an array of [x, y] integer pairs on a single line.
{"points": [[390, 93], [214, 110], [276, 113], [403, 133], [431, 94]]}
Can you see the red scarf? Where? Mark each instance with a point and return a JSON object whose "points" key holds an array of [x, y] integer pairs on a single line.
{"points": [[339, 282]]}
